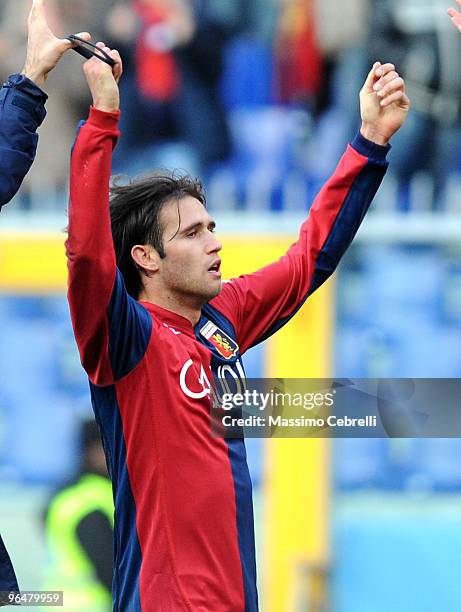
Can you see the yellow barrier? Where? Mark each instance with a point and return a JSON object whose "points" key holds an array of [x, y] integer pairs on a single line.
{"points": [[297, 479], [297, 472], [32, 263], [36, 263]]}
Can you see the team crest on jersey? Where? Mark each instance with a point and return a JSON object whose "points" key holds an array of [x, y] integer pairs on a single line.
{"points": [[225, 346]]}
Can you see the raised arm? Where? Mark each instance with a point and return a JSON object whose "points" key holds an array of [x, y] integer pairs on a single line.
{"points": [[261, 303], [102, 312], [22, 102]]}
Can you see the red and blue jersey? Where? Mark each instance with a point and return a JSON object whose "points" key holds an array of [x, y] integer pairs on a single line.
{"points": [[184, 535]]}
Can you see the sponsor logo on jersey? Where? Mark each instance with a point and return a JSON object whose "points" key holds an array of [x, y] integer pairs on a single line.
{"points": [[223, 343], [202, 380]]}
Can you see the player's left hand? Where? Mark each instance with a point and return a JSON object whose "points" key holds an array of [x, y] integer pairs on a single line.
{"points": [[44, 49], [455, 16], [384, 105]]}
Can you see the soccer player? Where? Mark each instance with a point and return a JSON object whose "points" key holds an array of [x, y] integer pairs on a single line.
{"points": [[154, 323], [22, 110]]}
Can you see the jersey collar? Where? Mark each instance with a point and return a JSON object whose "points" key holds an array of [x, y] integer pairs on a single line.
{"points": [[171, 319]]}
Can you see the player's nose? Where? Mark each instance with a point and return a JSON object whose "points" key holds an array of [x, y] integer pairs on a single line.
{"points": [[214, 245]]}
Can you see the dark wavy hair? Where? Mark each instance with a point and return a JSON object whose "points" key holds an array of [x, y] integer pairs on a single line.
{"points": [[135, 217]]}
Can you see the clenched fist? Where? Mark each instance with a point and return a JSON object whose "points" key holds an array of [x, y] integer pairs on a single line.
{"points": [[384, 105]]}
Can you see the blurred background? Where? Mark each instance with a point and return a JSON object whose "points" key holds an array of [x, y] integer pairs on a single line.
{"points": [[260, 97]]}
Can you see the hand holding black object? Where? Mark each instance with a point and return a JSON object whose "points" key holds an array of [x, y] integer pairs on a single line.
{"points": [[103, 80], [89, 50]]}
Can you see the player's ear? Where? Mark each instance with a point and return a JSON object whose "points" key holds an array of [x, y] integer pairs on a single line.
{"points": [[146, 257]]}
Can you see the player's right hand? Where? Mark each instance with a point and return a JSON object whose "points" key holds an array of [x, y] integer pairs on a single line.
{"points": [[103, 80]]}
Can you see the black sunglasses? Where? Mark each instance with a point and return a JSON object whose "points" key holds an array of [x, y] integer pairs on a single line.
{"points": [[89, 50]]}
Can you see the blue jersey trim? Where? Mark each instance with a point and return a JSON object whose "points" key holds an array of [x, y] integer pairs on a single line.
{"points": [[375, 152], [130, 329], [127, 551], [240, 473], [341, 235], [245, 520], [80, 124]]}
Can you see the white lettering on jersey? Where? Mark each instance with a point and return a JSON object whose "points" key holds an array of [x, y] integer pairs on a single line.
{"points": [[238, 375], [203, 380]]}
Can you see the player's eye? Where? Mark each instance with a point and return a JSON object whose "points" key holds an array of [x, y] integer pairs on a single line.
{"points": [[192, 234]]}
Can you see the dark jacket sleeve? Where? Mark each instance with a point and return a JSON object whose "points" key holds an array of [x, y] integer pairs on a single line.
{"points": [[22, 110], [8, 583], [95, 535]]}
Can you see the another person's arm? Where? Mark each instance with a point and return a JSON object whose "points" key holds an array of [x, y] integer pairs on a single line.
{"points": [[261, 303], [8, 582], [22, 102], [22, 110]]}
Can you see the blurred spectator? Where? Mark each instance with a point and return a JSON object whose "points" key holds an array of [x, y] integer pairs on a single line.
{"points": [[299, 60], [79, 528], [262, 19], [311, 41], [336, 31], [342, 43], [173, 66], [418, 37], [340, 46]]}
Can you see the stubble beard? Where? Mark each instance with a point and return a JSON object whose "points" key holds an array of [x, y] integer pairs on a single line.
{"points": [[199, 295]]}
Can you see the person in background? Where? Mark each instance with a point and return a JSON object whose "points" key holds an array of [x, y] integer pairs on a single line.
{"points": [[416, 36], [22, 110], [174, 58], [299, 61], [79, 529]]}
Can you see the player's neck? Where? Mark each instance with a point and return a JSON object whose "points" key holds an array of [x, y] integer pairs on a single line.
{"points": [[178, 305]]}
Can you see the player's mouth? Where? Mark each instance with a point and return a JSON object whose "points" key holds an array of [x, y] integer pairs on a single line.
{"points": [[215, 269]]}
